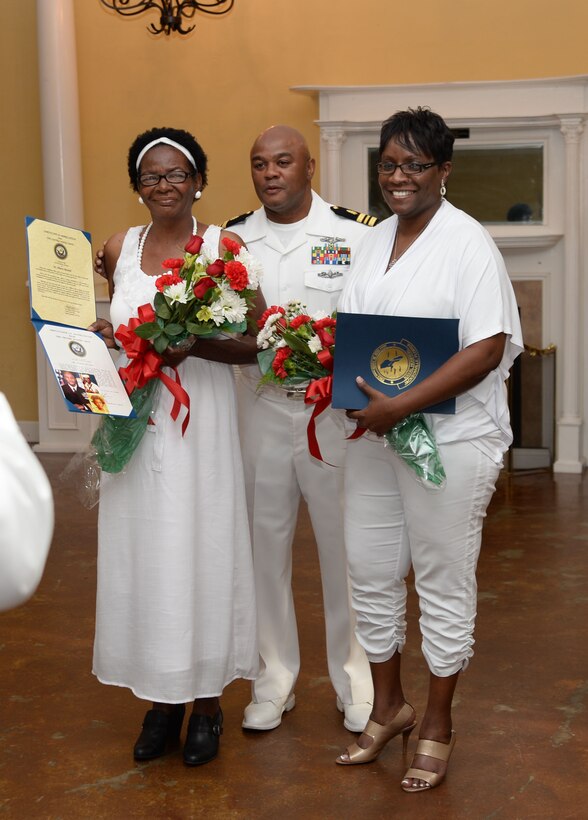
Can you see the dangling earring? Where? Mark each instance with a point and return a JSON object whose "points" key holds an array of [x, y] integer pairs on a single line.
{"points": [[198, 194], [141, 201], [443, 189]]}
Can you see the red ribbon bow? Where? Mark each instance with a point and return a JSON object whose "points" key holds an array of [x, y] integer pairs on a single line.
{"points": [[145, 364], [320, 393]]}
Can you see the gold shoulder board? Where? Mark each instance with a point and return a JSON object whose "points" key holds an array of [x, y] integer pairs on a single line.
{"points": [[356, 216], [236, 219]]}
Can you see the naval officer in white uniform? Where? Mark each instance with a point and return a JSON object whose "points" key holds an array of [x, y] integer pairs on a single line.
{"points": [[305, 246]]}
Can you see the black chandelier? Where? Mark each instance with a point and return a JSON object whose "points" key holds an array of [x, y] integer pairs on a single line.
{"points": [[172, 13]]}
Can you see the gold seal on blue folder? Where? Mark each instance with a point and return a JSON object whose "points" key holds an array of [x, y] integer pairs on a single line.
{"points": [[396, 363], [367, 345]]}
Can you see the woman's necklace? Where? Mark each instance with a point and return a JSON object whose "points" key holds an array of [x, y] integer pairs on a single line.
{"points": [[393, 257], [146, 234]]}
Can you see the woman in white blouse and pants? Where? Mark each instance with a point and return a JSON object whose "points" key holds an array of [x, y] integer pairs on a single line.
{"points": [[427, 260]]}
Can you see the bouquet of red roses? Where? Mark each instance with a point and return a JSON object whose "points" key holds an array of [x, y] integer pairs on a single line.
{"points": [[200, 296]]}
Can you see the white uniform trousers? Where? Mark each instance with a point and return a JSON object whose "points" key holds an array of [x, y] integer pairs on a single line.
{"points": [[278, 468], [391, 521]]}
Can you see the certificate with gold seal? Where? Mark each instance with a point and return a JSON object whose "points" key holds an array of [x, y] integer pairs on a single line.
{"points": [[392, 353], [61, 274], [63, 304]]}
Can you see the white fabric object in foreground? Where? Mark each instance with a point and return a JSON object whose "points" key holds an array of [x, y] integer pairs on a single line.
{"points": [[26, 514]]}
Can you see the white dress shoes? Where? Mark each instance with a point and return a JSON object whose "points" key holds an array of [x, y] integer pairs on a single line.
{"points": [[267, 714], [356, 715]]}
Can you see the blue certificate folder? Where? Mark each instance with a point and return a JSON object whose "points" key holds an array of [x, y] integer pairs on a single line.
{"points": [[392, 353]]}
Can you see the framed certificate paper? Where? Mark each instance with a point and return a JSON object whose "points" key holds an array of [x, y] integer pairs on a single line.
{"points": [[392, 353], [62, 306]]}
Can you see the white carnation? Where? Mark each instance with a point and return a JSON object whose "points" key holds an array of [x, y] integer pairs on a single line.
{"points": [[315, 344], [254, 268], [207, 255]]}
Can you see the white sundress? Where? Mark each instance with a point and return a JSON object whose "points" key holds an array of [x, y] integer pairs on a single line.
{"points": [[175, 612]]}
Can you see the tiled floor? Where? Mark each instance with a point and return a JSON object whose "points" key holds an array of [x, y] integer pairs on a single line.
{"points": [[520, 714]]}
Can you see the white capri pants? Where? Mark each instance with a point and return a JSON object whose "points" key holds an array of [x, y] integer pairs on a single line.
{"points": [[391, 521]]}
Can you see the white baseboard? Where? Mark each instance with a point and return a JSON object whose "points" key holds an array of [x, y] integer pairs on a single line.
{"points": [[530, 458], [30, 430]]}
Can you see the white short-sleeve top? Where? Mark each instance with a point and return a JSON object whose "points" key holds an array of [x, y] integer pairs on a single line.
{"points": [[453, 270]]}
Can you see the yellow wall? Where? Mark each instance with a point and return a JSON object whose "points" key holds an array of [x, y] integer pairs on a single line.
{"points": [[22, 194], [226, 82]]}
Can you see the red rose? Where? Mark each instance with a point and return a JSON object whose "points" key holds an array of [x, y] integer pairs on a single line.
{"points": [[172, 264], [299, 320], [194, 245], [237, 275], [232, 246], [167, 279], [216, 268], [269, 312], [282, 354], [202, 286]]}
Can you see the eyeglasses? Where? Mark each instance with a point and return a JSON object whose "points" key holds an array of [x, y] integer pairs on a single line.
{"points": [[173, 177], [409, 169]]}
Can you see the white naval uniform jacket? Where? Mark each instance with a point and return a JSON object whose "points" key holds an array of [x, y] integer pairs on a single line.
{"points": [[290, 274]]}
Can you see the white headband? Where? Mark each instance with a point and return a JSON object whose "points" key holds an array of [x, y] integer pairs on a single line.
{"points": [[167, 141]]}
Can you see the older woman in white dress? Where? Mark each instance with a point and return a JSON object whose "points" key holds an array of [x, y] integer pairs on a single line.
{"points": [[175, 616]]}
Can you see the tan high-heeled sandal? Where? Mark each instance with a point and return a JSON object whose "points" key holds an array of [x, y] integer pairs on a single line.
{"points": [[429, 748], [404, 721]]}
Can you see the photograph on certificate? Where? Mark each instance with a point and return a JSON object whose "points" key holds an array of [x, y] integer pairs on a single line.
{"points": [[84, 371]]}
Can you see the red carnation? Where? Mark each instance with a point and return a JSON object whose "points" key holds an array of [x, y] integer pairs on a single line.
{"points": [[202, 286], [270, 311], [324, 323], [216, 268], [194, 245], [237, 275], [172, 264], [166, 280], [282, 354], [326, 336], [297, 321], [232, 246]]}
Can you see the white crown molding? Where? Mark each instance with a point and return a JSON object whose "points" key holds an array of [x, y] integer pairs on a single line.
{"points": [[535, 100], [506, 236]]}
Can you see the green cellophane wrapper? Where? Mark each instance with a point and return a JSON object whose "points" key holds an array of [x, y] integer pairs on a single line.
{"points": [[412, 440], [115, 441]]}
